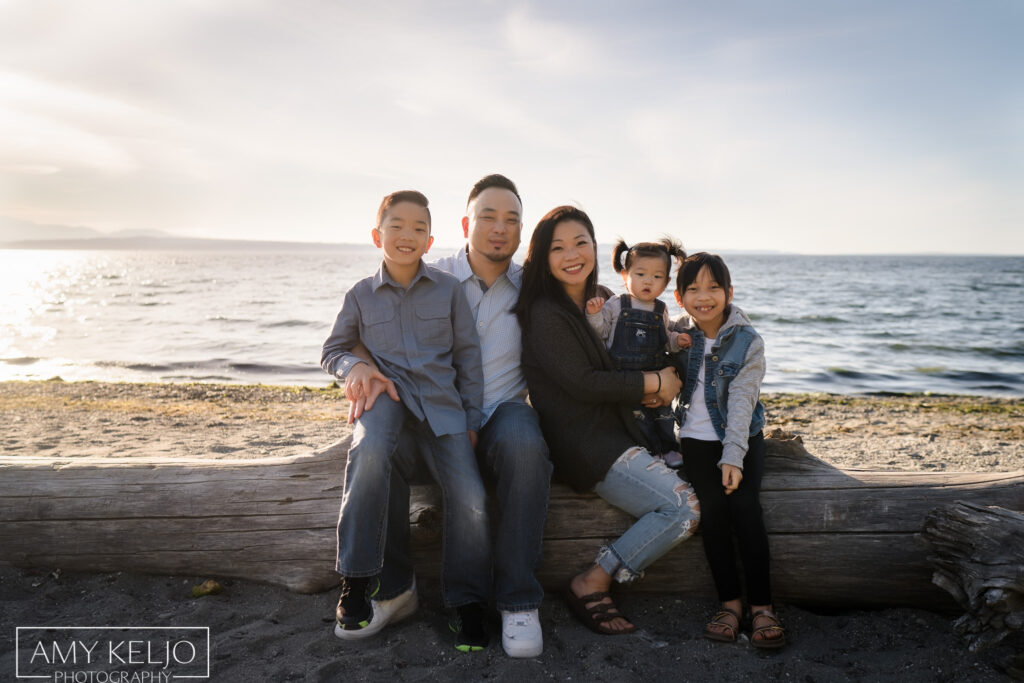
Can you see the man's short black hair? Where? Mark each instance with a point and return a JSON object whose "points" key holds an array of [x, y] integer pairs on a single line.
{"points": [[493, 180]]}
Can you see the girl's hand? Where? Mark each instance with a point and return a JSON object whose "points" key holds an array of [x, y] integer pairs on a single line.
{"points": [[671, 385], [731, 478], [595, 305]]}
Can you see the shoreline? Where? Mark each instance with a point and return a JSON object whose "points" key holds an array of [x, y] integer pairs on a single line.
{"points": [[261, 632], [904, 432]]}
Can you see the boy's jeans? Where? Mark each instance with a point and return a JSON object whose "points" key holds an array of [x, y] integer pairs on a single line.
{"points": [[665, 505], [515, 457], [369, 477]]}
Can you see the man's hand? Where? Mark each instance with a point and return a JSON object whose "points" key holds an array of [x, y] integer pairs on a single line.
{"points": [[362, 387], [595, 305], [473, 438], [731, 478]]}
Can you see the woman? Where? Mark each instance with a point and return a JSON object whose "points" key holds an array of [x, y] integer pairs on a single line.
{"points": [[586, 411]]}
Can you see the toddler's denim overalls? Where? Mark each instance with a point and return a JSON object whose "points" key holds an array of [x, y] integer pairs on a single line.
{"points": [[639, 342]]}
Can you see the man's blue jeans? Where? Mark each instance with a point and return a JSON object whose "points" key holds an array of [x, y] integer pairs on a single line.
{"points": [[373, 480], [513, 455], [665, 505]]}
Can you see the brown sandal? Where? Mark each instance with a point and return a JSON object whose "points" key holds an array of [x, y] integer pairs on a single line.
{"points": [[774, 626], [596, 616], [720, 619]]}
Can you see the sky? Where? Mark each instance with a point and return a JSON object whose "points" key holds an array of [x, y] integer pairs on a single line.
{"points": [[812, 126]]}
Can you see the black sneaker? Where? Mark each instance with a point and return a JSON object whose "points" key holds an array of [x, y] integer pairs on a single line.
{"points": [[354, 612], [468, 626]]}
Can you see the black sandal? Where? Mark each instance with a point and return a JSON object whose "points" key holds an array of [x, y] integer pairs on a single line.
{"points": [[597, 615]]}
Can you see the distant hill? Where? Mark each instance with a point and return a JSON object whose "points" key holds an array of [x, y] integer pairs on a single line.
{"points": [[178, 244], [14, 230], [18, 234]]}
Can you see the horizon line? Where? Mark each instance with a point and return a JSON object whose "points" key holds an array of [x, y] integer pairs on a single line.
{"points": [[153, 242]]}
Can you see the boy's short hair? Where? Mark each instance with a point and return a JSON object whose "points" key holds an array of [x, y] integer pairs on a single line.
{"points": [[493, 180], [412, 196]]}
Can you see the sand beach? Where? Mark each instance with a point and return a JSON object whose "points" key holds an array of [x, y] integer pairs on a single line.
{"points": [[262, 632]]}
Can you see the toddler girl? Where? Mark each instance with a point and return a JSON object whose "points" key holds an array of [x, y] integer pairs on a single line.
{"points": [[720, 418], [636, 330]]}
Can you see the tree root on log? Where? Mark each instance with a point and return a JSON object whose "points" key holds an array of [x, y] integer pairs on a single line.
{"points": [[979, 560]]}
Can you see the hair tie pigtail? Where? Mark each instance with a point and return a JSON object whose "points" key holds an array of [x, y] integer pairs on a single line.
{"points": [[621, 249]]}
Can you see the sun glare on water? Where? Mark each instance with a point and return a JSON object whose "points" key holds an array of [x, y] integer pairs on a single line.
{"points": [[37, 286]]}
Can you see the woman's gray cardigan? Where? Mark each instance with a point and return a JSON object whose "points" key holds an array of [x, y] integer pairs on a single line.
{"points": [[585, 405]]}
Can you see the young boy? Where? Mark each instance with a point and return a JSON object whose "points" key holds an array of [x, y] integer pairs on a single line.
{"points": [[416, 323]]}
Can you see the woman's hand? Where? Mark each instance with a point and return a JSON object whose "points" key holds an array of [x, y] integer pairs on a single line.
{"points": [[660, 387], [671, 385], [731, 478]]}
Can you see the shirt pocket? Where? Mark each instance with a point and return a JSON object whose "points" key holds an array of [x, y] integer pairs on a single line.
{"points": [[435, 325], [380, 330]]}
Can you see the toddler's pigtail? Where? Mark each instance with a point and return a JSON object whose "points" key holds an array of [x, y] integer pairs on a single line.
{"points": [[621, 249], [675, 250]]}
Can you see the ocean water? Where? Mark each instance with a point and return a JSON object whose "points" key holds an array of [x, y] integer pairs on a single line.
{"points": [[840, 324]]}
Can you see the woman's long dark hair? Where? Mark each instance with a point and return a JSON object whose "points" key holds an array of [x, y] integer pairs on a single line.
{"points": [[538, 282]]}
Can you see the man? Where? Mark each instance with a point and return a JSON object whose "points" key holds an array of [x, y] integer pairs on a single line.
{"points": [[511, 451]]}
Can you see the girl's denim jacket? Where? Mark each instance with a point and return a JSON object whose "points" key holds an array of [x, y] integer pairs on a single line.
{"points": [[732, 382]]}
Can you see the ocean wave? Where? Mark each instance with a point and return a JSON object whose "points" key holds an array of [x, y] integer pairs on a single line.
{"points": [[226, 319], [318, 324], [828, 319], [1014, 351], [274, 368]]}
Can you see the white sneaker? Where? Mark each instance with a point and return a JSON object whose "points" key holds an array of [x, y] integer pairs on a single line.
{"points": [[384, 612], [521, 635]]}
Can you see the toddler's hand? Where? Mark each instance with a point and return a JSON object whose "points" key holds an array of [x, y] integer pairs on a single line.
{"points": [[595, 305], [684, 341]]}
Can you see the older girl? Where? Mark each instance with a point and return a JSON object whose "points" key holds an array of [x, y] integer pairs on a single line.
{"points": [[585, 407], [720, 419]]}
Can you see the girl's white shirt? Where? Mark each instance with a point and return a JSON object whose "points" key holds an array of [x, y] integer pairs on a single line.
{"points": [[698, 420]]}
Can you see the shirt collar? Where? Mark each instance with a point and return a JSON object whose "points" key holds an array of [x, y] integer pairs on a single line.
{"points": [[382, 277]]}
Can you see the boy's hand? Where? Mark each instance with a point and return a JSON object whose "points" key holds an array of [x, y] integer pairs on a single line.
{"points": [[731, 478], [472, 438], [362, 387], [595, 305], [683, 340]]}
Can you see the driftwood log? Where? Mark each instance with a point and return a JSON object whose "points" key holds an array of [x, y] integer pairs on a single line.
{"points": [[839, 538], [979, 560]]}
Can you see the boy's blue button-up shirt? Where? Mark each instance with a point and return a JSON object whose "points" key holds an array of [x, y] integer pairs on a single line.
{"points": [[423, 338]]}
